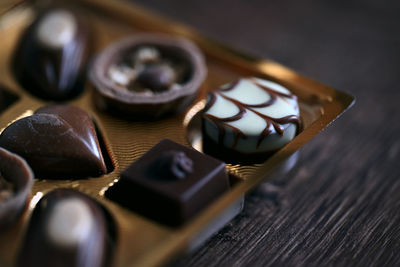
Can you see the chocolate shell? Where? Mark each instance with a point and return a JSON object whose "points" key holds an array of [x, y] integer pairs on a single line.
{"points": [[18, 176], [56, 141], [67, 228], [50, 60], [156, 92]]}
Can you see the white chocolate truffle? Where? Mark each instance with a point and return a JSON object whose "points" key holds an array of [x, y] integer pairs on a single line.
{"points": [[70, 223], [251, 116], [57, 29]]}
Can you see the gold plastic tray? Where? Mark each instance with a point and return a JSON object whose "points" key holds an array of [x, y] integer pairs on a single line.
{"points": [[142, 242]]}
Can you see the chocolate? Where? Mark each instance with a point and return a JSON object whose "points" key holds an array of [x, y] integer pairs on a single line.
{"points": [[172, 164], [6, 189], [249, 119], [16, 179], [170, 183], [6, 98], [147, 76], [51, 56], [157, 78], [57, 141], [67, 228]]}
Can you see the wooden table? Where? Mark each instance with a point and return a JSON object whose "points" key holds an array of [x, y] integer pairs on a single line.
{"points": [[340, 204]]}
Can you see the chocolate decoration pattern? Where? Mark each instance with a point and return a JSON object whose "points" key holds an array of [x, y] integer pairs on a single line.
{"points": [[67, 228], [58, 140], [170, 201], [263, 106], [50, 59]]}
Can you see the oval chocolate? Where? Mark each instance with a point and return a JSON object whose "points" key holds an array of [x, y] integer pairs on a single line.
{"points": [[67, 228], [51, 56]]}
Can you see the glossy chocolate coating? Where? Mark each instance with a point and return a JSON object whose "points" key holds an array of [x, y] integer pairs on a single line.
{"points": [[162, 99], [172, 164], [92, 250], [58, 140], [6, 189], [16, 172], [6, 98], [157, 78], [50, 70], [165, 199]]}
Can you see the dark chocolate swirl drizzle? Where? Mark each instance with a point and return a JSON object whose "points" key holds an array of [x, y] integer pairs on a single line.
{"points": [[276, 122]]}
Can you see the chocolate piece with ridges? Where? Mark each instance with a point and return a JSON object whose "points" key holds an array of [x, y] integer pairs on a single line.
{"points": [[67, 228], [58, 140], [168, 200]]}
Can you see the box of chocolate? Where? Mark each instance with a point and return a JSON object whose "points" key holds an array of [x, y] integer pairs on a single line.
{"points": [[127, 138]]}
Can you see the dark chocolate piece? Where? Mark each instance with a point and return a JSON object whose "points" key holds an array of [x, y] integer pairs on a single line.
{"points": [[58, 140], [6, 98], [16, 179], [162, 79], [6, 189], [50, 60], [157, 195], [157, 77], [67, 228]]}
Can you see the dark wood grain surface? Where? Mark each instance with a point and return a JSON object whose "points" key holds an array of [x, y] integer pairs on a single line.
{"points": [[340, 205]]}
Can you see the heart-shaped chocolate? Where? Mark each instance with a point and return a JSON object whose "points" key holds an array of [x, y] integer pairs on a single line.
{"points": [[56, 141]]}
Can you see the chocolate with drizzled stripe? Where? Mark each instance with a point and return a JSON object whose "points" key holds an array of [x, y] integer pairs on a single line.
{"points": [[222, 123]]}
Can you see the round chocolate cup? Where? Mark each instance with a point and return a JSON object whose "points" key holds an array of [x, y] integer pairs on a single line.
{"points": [[15, 170], [136, 105]]}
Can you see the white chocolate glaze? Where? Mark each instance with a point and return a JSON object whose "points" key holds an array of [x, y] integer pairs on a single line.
{"points": [[252, 116], [70, 223], [57, 29]]}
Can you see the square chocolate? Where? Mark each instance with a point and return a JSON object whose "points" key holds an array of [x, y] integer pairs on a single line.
{"points": [[170, 183]]}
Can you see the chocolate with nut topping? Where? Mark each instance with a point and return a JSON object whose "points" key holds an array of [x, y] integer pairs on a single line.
{"points": [[147, 76], [170, 183], [172, 164]]}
